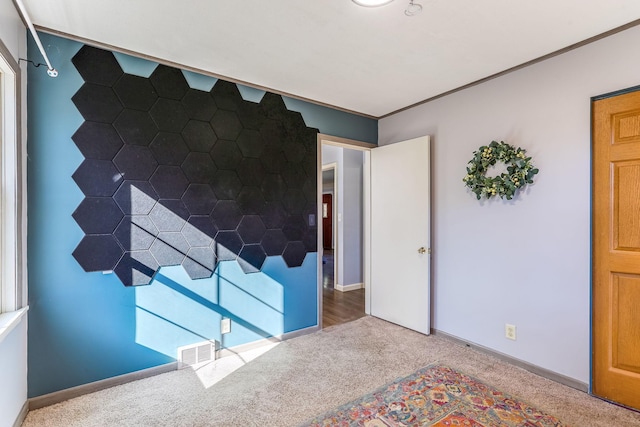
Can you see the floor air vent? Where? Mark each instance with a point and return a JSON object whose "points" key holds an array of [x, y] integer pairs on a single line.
{"points": [[195, 354]]}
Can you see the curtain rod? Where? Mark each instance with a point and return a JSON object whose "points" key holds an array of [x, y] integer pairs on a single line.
{"points": [[52, 72]]}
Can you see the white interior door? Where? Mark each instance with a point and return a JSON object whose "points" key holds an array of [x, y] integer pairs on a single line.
{"points": [[400, 234]]}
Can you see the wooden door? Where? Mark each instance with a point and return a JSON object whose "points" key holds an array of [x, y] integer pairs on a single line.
{"points": [[616, 249], [327, 221], [400, 233]]}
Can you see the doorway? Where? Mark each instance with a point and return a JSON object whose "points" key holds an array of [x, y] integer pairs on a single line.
{"points": [[342, 238], [383, 170], [616, 248]]}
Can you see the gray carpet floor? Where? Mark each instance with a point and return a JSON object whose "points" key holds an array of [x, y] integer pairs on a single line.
{"points": [[290, 382]]}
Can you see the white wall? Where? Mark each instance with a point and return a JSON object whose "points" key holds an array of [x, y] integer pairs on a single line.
{"points": [[12, 31], [352, 217], [13, 374], [524, 262], [13, 348]]}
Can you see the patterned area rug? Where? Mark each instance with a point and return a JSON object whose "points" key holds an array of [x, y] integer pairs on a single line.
{"points": [[436, 396]]}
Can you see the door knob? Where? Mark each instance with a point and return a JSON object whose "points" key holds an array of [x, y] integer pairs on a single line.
{"points": [[422, 250]]}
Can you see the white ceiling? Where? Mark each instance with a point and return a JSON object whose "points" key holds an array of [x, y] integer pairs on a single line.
{"points": [[368, 60]]}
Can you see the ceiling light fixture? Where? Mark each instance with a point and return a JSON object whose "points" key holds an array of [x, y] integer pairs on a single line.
{"points": [[413, 8], [372, 3]]}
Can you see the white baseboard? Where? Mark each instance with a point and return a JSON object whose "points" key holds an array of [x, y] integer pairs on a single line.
{"points": [[22, 415], [231, 351], [347, 288], [545, 373], [70, 393]]}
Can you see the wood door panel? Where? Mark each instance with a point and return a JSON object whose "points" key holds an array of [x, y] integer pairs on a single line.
{"points": [[616, 249], [626, 127], [626, 209], [625, 322], [621, 152], [625, 261]]}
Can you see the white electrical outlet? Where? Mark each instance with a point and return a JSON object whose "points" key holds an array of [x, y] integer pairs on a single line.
{"points": [[225, 325], [510, 331]]}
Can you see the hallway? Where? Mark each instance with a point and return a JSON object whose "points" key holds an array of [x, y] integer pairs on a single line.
{"points": [[338, 307]]}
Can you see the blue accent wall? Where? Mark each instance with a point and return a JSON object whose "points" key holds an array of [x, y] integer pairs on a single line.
{"points": [[84, 327]]}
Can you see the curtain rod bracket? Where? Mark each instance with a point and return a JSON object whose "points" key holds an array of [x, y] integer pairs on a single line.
{"points": [[52, 72]]}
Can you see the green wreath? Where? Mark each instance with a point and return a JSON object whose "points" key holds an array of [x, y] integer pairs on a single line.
{"points": [[520, 171]]}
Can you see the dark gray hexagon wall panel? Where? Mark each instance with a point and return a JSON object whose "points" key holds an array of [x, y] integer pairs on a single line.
{"points": [[97, 140], [200, 262], [198, 231], [226, 154], [135, 162], [136, 197], [98, 178], [274, 242], [227, 245], [169, 182], [135, 127], [136, 268], [199, 199], [226, 124], [251, 201], [250, 115], [169, 248], [198, 167], [251, 172], [251, 229], [136, 92], [97, 66], [294, 227], [136, 233], [176, 207], [227, 96], [179, 176], [226, 184], [250, 143], [98, 252], [251, 258], [199, 105], [226, 215], [169, 82], [294, 254], [273, 215], [167, 219], [199, 136], [97, 103], [98, 215], [169, 148], [169, 115]]}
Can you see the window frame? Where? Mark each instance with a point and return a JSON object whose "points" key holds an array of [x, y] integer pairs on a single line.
{"points": [[12, 186]]}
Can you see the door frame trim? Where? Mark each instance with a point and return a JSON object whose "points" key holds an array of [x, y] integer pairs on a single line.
{"points": [[612, 94], [592, 195], [334, 218], [366, 147]]}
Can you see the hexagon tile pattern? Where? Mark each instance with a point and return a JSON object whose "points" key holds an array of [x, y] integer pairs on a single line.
{"points": [[174, 175]]}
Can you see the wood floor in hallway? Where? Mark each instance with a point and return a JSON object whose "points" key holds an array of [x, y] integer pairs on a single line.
{"points": [[338, 307], [341, 307]]}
